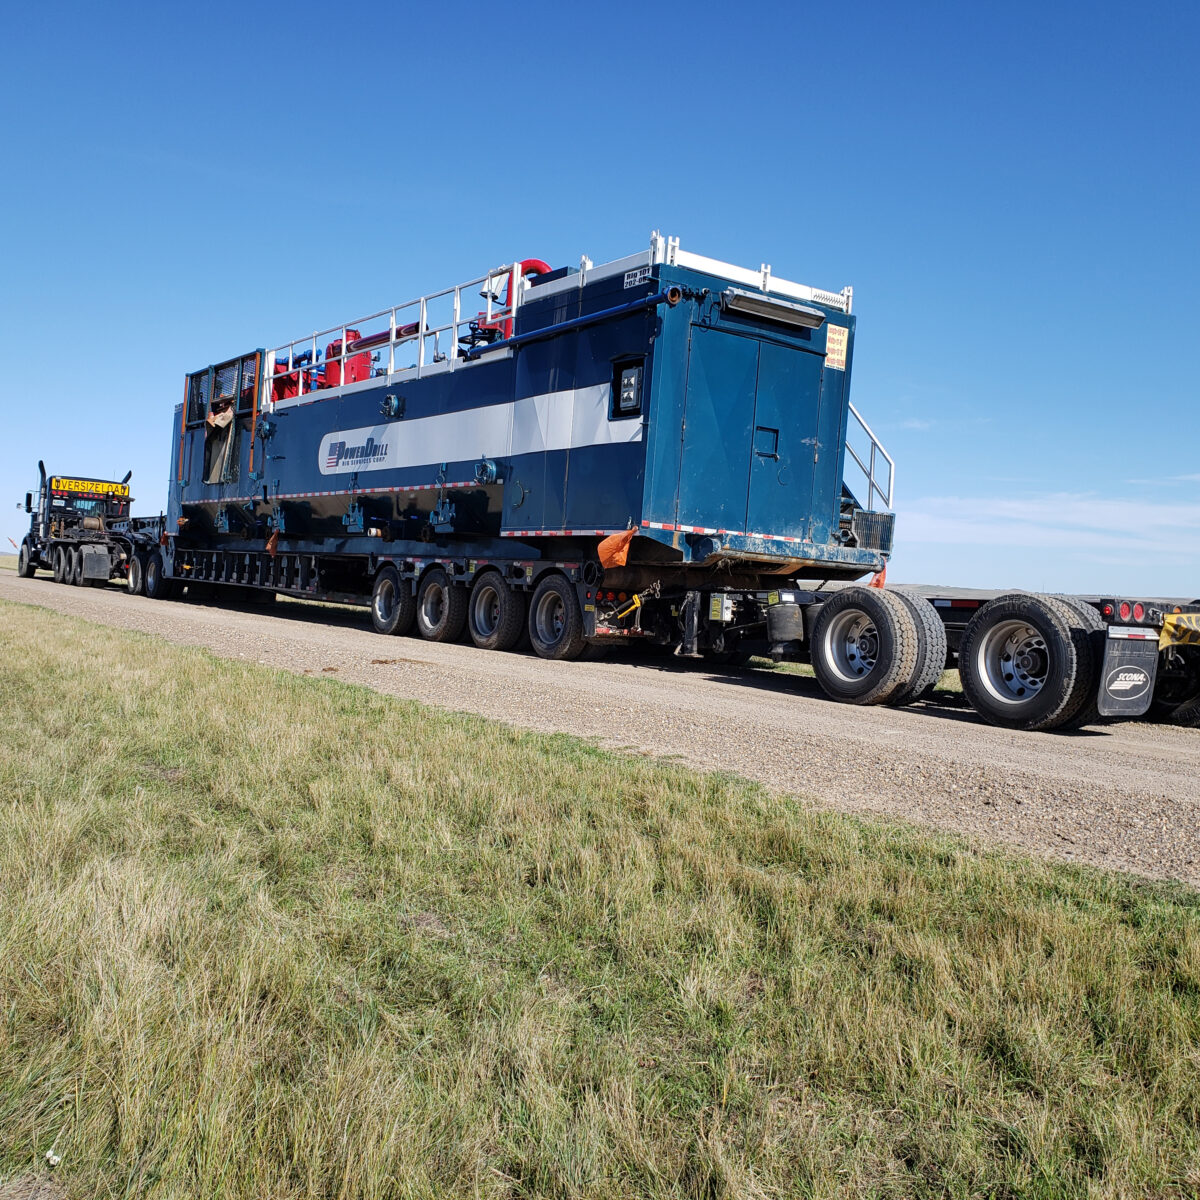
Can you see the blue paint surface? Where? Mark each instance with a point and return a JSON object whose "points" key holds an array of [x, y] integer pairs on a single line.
{"points": [[741, 431]]}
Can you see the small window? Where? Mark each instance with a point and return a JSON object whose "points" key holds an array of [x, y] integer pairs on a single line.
{"points": [[227, 384], [249, 383], [198, 390], [627, 389]]}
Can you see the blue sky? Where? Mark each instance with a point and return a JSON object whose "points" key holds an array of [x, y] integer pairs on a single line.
{"points": [[1013, 190]]}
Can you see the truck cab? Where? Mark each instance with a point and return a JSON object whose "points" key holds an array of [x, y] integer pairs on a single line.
{"points": [[71, 527]]}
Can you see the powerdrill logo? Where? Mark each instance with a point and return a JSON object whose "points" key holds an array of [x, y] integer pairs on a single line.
{"points": [[342, 454]]}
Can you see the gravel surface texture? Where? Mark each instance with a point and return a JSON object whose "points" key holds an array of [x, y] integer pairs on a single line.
{"points": [[1122, 796]]}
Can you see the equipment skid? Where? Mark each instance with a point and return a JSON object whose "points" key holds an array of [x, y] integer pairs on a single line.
{"points": [[659, 428], [661, 450]]}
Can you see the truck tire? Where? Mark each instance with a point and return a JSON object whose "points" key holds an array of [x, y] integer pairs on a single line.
{"points": [[1187, 715], [25, 565], [75, 566], [496, 614], [555, 621], [135, 581], [156, 583], [393, 606], [1019, 662], [1089, 621], [863, 646], [58, 561], [931, 649], [441, 607]]}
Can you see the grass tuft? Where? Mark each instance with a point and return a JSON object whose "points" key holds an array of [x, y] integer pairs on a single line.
{"points": [[273, 936]]}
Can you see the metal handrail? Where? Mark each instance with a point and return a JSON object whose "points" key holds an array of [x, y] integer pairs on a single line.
{"points": [[877, 450], [282, 360]]}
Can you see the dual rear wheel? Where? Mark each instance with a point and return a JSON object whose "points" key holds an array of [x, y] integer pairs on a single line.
{"points": [[1026, 661], [866, 647], [1029, 662]]}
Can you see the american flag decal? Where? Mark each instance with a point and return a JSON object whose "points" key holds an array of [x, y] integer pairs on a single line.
{"points": [[335, 452]]}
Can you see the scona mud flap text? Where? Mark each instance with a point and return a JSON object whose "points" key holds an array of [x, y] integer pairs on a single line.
{"points": [[1127, 675]]}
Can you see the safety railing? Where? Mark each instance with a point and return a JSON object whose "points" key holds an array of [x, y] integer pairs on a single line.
{"points": [[430, 331], [869, 462]]}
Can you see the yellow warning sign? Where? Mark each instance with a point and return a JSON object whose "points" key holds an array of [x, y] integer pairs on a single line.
{"points": [[89, 487], [1180, 629], [835, 346]]}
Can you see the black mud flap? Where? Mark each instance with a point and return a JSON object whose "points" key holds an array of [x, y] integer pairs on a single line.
{"points": [[1127, 676], [96, 563]]}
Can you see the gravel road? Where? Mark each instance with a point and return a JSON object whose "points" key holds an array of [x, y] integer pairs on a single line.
{"points": [[1122, 796]]}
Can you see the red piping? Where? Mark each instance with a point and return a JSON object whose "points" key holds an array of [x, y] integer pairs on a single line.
{"points": [[527, 266]]}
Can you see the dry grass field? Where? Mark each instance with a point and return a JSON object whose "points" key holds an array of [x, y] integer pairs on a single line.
{"points": [[274, 936]]}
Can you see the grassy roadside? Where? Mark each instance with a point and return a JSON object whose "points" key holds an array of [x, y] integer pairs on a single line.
{"points": [[274, 936], [8, 562]]}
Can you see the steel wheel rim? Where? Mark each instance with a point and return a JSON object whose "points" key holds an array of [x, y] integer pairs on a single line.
{"points": [[851, 645], [385, 602], [485, 609], [550, 618], [1013, 662], [433, 605]]}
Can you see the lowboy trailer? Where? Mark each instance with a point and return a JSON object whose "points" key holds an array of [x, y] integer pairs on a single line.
{"points": [[659, 449]]}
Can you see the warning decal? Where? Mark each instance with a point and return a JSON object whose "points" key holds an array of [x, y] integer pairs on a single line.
{"points": [[88, 487], [1180, 629], [835, 346]]}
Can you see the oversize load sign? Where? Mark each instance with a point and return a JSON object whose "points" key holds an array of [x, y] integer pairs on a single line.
{"points": [[92, 487]]}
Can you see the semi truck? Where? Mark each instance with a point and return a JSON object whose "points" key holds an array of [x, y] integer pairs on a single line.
{"points": [[659, 449], [81, 530]]}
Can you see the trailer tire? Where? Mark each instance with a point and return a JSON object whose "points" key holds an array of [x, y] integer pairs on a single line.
{"points": [[135, 581], [496, 614], [157, 585], [25, 564], [864, 646], [393, 606], [1087, 619], [931, 649], [1187, 715], [555, 620], [75, 567], [1020, 662], [441, 607]]}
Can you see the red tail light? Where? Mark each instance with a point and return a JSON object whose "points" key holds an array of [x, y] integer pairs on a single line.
{"points": [[1126, 610], [1107, 610], [1139, 612]]}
